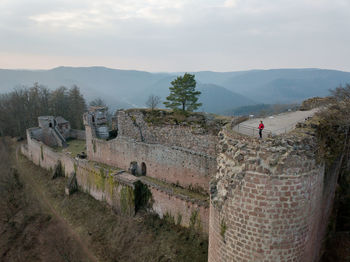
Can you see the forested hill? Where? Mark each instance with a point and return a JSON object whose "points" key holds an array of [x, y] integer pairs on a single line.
{"points": [[220, 91]]}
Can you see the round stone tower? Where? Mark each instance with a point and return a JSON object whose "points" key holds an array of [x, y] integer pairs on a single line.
{"points": [[270, 199]]}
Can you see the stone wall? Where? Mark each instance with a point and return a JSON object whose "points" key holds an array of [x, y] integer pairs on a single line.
{"points": [[132, 124], [184, 211], [100, 182], [270, 199], [172, 164], [118, 188]]}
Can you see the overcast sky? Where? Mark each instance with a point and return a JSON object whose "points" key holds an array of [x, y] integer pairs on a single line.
{"points": [[175, 35]]}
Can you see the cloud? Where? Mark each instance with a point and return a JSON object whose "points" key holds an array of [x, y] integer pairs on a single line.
{"points": [[179, 35], [105, 12], [230, 3]]}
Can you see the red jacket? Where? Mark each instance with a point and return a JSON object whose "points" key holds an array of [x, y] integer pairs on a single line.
{"points": [[261, 126]]}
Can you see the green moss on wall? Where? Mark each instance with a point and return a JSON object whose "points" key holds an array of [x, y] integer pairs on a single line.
{"points": [[223, 228], [42, 152], [169, 218], [195, 221], [99, 179], [94, 145], [127, 200], [179, 219], [111, 184]]}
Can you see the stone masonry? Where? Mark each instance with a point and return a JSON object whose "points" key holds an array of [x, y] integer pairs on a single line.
{"points": [[172, 153], [270, 199]]}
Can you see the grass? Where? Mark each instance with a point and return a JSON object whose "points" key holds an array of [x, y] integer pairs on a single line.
{"points": [[177, 189], [74, 147]]}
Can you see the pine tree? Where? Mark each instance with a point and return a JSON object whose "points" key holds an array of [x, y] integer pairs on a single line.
{"points": [[183, 94]]}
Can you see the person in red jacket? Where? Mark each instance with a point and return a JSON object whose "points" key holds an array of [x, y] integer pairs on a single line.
{"points": [[261, 127]]}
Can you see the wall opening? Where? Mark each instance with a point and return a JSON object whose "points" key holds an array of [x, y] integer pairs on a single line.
{"points": [[143, 169], [50, 125], [133, 167]]}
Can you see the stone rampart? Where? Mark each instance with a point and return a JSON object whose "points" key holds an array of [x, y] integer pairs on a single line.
{"points": [[118, 188], [172, 164], [270, 199], [134, 124]]}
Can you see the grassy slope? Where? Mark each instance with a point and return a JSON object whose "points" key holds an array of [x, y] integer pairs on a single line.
{"points": [[29, 230]]}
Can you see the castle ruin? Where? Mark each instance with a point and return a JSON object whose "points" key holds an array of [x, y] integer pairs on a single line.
{"points": [[259, 200]]}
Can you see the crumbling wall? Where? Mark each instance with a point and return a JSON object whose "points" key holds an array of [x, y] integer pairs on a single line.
{"points": [[183, 155], [101, 183], [270, 199], [174, 165], [182, 210], [132, 124], [119, 190], [43, 134]]}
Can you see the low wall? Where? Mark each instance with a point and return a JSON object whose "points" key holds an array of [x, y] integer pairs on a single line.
{"points": [[119, 189], [270, 199], [171, 164]]}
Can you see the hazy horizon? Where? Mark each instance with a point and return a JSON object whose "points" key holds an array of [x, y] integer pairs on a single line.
{"points": [[168, 36], [171, 72]]}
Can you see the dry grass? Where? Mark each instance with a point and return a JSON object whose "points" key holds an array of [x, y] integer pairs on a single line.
{"points": [[30, 231]]}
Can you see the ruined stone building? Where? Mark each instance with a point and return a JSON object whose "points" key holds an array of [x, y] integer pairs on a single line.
{"points": [[266, 200]]}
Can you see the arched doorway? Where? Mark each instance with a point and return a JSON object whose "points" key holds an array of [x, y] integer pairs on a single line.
{"points": [[133, 167], [143, 169]]}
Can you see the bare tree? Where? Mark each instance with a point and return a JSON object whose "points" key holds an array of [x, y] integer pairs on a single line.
{"points": [[153, 101]]}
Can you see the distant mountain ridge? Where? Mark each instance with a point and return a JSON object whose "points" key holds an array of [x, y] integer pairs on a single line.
{"points": [[221, 91]]}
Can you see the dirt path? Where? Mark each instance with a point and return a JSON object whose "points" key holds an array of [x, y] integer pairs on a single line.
{"points": [[40, 196]]}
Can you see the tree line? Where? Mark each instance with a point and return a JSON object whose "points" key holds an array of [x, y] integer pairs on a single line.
{"points": [[20, 108]]}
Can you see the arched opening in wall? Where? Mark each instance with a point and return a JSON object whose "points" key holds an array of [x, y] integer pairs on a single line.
{"points": [[143, 169], [133, 167], [93, 119], [50, 125]]}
